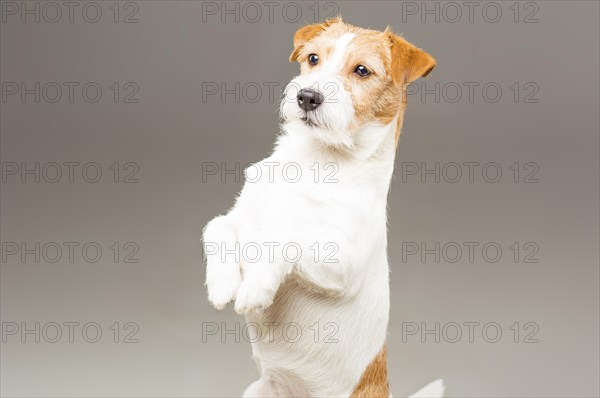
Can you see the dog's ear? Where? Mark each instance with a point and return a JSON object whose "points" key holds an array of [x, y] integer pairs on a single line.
{"points": [[307, 33], [408, 62]]}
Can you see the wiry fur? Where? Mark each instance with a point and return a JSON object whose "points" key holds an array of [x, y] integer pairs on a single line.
{"points": [[356, 130]]}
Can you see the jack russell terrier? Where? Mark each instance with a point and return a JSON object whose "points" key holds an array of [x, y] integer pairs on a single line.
{"points": [[309, 226]]}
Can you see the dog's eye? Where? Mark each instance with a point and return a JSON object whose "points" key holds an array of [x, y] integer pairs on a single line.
{"points": [[362, 71], [313, 59]]}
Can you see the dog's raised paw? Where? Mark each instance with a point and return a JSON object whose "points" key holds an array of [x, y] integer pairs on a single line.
{"points": [[223, 290], [253, 297]]}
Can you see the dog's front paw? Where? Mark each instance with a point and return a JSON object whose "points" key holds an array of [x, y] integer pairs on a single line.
{"points": [[223, 275], [223, 288], [253, 296]]}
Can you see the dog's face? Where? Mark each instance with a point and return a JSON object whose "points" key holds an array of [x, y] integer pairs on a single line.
{"points": [[350, 77]]}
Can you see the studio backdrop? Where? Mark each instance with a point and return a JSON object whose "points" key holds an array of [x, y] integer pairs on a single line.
{"points": [[126, 126]]}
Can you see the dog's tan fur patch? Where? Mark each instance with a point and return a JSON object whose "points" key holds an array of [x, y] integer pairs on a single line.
{"points": [[374, 381]]}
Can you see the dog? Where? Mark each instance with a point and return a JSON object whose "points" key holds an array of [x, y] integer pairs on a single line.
{"points": [[317, 301]]}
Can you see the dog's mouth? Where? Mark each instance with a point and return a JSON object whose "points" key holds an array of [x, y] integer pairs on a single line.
{"points": [[309, 121]]}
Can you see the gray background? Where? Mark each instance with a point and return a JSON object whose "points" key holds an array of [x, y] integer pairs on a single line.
{"points": [[171, 131]]}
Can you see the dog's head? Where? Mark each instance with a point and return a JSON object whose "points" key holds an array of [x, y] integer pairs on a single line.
{"points": [[350, 78]]}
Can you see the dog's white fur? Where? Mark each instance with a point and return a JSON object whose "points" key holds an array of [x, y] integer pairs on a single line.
{"points": [[339, 199]]}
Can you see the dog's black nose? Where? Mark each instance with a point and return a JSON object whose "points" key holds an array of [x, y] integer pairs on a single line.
{"points": [[309, 99]]}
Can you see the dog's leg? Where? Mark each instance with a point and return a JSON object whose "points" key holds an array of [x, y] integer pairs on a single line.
{"points": [[223, 275], [262, 278], [331, 262], [325, 257]]}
